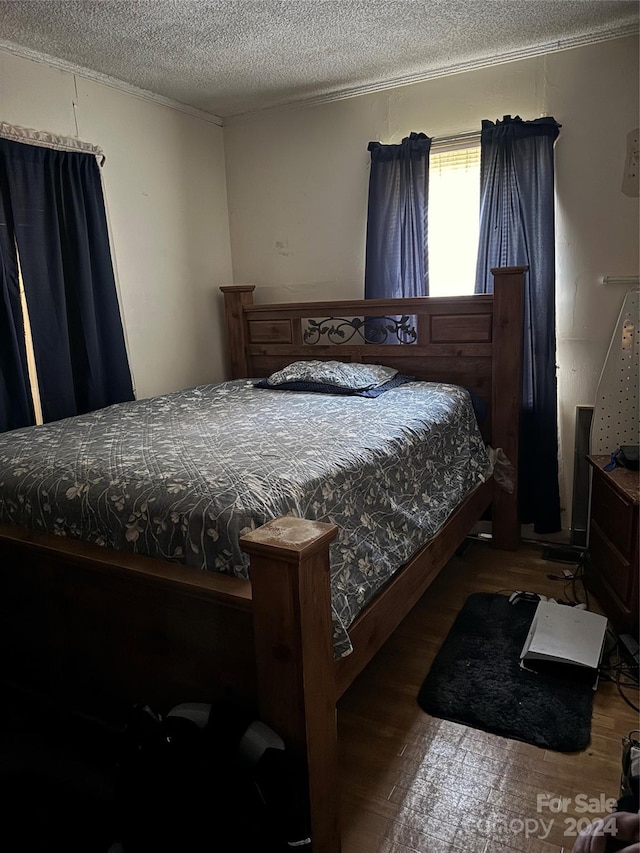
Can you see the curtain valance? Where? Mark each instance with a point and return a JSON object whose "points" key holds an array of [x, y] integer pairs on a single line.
{"points": [[43, 138]]}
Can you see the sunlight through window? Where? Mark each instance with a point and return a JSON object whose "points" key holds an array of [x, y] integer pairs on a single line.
{"points": [[31, 358], [454, 201]]}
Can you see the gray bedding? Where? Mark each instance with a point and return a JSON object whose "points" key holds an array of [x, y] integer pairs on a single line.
{"points": [[184, 475]]}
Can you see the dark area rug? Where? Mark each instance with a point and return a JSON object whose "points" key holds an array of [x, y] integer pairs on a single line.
{"points": [[476, 679]]}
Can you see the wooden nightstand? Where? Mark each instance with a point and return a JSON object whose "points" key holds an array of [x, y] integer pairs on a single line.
{"points": [[612, 568]]}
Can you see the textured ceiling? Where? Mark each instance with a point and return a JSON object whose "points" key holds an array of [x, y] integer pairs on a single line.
{"points": [[229, 57]]}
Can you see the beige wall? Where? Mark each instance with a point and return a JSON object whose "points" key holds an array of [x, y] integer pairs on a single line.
{"points": [[166, 198], [297, 185]]}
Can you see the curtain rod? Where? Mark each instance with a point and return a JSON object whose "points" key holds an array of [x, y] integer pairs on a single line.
{"points": [[456, 139], [45, 139]]}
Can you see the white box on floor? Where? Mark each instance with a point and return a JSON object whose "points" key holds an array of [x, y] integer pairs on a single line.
{"points": [[564, 638]]}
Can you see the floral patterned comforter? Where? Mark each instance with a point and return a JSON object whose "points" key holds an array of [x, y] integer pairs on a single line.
{"points": [[182, 476]]}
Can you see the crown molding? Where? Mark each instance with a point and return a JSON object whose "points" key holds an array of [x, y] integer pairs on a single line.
{"points": [[106, 80], [328, 97], [445, 71]]}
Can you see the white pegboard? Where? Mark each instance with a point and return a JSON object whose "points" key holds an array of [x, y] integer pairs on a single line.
{"points": [[616, 414]]}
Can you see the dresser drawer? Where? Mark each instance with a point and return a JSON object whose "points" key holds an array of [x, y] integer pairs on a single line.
{"points": [[616, 571], [612, 568], [613, 515]]}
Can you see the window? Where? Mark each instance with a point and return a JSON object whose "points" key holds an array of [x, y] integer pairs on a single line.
{"points": [[454, 204]]}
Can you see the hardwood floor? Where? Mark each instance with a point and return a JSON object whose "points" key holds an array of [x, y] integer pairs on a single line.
{"points": [[411, 782]]}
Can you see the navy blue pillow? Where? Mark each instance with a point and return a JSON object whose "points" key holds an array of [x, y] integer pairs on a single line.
{"points": [[323, 388]]}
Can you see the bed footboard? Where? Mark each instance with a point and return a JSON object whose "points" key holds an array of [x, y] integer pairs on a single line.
{"points": [[94, 632]]}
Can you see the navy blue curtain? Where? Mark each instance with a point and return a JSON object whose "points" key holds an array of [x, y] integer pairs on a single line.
{"points": [[396, 253], [16, 407], [61, 232], [517, 227]]}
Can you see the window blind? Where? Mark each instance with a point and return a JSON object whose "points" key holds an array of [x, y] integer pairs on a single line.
{"points": [[454, 201]]}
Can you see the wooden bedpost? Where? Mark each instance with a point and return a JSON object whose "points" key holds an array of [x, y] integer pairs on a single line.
{"points": [[293, 635], [508, 293], [236, 297]]}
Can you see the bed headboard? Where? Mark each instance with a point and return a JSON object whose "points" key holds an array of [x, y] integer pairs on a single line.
{"points": [[466, 340]]}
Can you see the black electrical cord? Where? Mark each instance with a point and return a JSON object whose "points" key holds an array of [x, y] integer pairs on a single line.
{"points": [[626, 699], [578, 575], [614, 643], [570, 581], [604, 674], [617, 669], [620, 668]]}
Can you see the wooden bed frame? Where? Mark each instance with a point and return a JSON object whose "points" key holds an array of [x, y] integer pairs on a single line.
{"points": [[97, 631]]}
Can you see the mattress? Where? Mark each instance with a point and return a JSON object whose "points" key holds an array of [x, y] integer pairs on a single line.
{"points": [[182, 476]]}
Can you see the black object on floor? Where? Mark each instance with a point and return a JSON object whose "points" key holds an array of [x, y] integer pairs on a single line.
{"points": [[158, 784], [476, 679], [42, 812], [56, 781], [184, 783]]}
